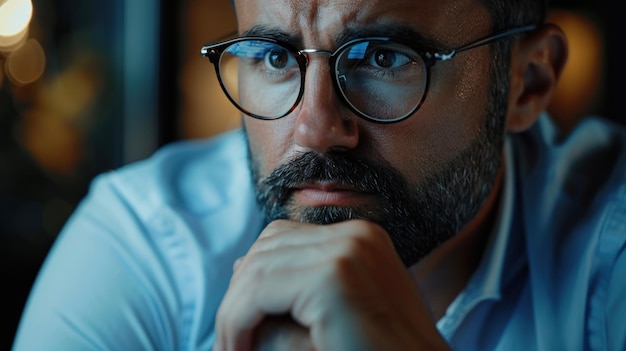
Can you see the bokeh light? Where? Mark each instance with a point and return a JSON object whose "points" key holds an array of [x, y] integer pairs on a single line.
{"points": [[26, 64], [581, 80], [25, 59], [15, 17]]}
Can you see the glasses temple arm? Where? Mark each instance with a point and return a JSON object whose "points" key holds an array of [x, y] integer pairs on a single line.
{"points": [[486, 40]]}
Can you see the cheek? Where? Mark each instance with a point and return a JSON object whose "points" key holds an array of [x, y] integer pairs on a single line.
{"points": [[268, 142], [447, 123], [458, 100]]}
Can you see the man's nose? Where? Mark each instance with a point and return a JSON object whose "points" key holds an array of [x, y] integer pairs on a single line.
{"points": [[322, 122]]}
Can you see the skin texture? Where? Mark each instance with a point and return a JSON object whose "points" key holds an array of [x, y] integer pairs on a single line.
{"points": [[342, 286], [340, 182], [316, 126]]}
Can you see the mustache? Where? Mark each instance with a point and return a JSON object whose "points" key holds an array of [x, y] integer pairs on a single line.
{"points": [[345, 170]]}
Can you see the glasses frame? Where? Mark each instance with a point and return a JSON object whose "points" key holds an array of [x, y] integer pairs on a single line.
{"points": [[430, 57]]}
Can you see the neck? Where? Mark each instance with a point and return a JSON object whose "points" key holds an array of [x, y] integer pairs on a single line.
{"points": [[442, 274]]}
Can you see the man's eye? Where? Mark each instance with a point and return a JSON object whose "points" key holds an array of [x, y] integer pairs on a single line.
{"points": [[278, 59], [385, 58]]}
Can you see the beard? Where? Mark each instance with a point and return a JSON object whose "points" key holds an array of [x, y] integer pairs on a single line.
{"points": [[417, 217]]}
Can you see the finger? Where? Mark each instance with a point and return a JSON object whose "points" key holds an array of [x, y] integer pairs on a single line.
{"points": [[282, 274], [269, 284], [288, 233], [283, 233], [288, 257], [281, 333], [271, 277], [242, 311], [279, 261]]}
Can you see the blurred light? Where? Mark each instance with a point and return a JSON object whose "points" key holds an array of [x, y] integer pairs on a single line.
{"points": [[26, 64], [580, 82], [8, 44], [52, 130], [204, 21], [15, 16]]}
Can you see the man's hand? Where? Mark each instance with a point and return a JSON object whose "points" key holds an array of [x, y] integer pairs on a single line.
{"points": [[343, 283], [281, 333]]}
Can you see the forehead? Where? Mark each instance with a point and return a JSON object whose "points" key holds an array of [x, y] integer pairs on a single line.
{"points": [[317, 22]]}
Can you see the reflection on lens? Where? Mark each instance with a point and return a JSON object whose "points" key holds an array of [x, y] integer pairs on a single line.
{"points": [[381, 79], [378, 79], [261, 77]]}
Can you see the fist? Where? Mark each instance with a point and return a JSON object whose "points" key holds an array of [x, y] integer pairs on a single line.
{"points": [[281, 333]]}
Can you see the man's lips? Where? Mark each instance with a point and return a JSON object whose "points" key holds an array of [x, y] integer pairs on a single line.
{"points": [[328, 194]]}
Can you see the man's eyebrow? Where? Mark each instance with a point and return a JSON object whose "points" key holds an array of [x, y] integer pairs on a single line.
{"points": [[273, 33], [397, 32]]}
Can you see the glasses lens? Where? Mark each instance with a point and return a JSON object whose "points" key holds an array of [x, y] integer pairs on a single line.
{"points": [[381, 79], [261, 77]]}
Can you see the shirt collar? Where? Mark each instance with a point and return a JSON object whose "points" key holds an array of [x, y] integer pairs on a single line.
{"points": [[486, 282]]}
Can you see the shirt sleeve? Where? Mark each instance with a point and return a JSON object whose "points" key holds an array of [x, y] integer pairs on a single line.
{"points": [[607, 306], [616, 302], [144, 261], [95, 291], [617, 306]]}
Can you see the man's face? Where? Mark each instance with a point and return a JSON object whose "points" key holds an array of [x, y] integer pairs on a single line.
{"points": [[423, 178]]}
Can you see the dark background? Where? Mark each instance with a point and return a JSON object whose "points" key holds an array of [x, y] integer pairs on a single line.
{"points": [[123, 122]]}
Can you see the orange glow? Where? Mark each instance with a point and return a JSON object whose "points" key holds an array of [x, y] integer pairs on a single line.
{"points": [[205, 109], [52, 131], [580, 83], [15, 16], [26, 64]]}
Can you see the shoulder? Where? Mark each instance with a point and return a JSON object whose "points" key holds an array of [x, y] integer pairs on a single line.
{"points": [[579, 171], [574, 183], [194, 175], [190, 206], [186, 193], [164, 232], [594, 140], [571, 195]]}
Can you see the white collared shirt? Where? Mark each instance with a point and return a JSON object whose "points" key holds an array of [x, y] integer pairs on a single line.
{"points": [[145, 260]]}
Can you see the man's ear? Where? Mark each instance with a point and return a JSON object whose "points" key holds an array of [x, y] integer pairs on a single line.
{"points": [[537, 61]]}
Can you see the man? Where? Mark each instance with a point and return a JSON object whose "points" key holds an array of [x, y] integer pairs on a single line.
{"points": [[412, 196]]}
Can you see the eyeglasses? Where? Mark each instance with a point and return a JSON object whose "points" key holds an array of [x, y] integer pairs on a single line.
{"points": [[379, 79]]}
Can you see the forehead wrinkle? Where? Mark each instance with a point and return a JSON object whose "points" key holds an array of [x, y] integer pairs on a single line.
{"points": [[320, 23], [301, 23]]}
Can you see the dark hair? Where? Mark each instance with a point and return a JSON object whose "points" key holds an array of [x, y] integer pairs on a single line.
{"points": [[511, 13], [507, 14]]}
